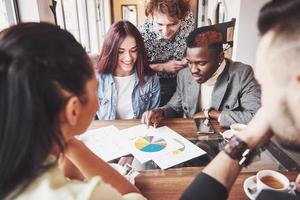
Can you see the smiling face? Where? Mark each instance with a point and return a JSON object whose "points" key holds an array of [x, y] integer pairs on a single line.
{"points": [[276, 71], [127, 56], [202, 62], [167, 26]]}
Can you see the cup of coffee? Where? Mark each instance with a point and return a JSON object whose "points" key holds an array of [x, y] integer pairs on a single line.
{"points": [[272, 180], [237, 127]]}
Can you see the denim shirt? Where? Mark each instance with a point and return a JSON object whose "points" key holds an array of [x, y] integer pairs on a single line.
{"points": [[143, 98]]}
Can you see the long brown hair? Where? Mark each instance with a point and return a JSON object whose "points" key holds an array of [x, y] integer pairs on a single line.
{"points": [[116, 34]]}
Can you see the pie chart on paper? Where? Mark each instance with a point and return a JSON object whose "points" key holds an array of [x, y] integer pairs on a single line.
{"points": [[150, 144]]}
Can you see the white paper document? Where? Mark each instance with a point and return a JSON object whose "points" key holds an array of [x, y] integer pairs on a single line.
{"points": [[147, 143], [105, 142], [186, 152]]}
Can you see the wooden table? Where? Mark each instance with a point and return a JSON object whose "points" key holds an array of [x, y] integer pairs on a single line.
{"points": [[169, 184]]}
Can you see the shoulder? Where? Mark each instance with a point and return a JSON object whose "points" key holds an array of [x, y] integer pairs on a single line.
{"points": [[184, 73], [104, 76], [239, 68], [188, 24], [151, 79], [146, 29], [52, 184]]}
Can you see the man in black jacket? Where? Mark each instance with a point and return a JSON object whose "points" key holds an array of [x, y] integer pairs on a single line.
{"points": [[278, 72]]}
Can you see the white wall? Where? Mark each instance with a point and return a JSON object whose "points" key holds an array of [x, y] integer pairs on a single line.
{"points": [[247, 37]]}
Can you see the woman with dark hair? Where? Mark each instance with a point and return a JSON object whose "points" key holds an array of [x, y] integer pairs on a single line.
{"points": [[48, 95], [127, 85]]}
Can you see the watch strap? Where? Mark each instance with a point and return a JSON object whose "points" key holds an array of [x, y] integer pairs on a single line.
{"points": [[238, 150]]}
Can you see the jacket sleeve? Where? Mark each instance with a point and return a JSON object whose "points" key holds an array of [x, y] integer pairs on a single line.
{"points": [[249, 101], [204, 187], [155, 99], [174, 107]]}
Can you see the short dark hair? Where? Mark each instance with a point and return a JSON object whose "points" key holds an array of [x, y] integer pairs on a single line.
{"points": [[178, 9], [277, 14], [116, 34], [37, 62], [207, 36]]}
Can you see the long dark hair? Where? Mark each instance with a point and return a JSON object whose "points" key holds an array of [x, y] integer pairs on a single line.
{"points": [[37, 61], [116, 34]]}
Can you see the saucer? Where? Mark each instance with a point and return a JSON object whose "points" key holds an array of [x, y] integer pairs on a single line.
{"points": [[250, 182]]}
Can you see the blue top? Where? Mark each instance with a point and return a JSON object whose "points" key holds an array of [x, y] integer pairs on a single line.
{"points": [[143, 98]]}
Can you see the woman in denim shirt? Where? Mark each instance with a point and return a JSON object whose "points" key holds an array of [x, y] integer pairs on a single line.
{"points": [[127, 86]]}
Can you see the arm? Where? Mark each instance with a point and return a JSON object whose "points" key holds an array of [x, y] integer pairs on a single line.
{"points": [[174, 106], [90, 165], [256, 133], [172, 66], [155, 99], [249, 99], [172, 109]]}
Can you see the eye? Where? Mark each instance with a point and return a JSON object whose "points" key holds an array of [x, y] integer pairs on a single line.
{"points": [[120, 51], [201, 63], [134, 50]]}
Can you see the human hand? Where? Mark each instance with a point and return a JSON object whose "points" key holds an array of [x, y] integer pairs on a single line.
{"points": [[199, 115], [297, 183], [258, 131], [173, 66], [152, 117], [126, 159]]}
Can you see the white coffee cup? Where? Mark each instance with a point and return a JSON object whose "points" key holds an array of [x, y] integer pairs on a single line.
{"points": [[237, 127], [272, 180]]}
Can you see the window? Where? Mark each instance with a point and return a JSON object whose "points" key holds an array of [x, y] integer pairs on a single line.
{"points": [[82, 19], [8, 13]]}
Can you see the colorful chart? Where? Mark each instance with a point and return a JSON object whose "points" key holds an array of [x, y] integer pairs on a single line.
{"points": [[178, 151], [150, 144]]}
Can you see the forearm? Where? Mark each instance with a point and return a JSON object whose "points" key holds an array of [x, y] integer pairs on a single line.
{"points": [[231, 117], [227, 174], [170, 112], [90, 165], [158, 67]]}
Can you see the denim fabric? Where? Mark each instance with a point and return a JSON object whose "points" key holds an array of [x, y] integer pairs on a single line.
{"points": [[144, 97]]}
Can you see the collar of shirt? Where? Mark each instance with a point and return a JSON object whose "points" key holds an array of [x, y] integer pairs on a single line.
{"points": [[217, 73]]}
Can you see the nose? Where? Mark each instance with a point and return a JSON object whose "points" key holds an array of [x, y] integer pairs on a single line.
{"points": [[164, 30], [193, 67], [128, 56]]}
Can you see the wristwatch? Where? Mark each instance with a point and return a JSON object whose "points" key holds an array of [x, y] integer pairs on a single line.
{"points": [[206, 112], [238, 150]]}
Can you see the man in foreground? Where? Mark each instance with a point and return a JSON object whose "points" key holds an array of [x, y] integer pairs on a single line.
{"points": [[278, 72]]}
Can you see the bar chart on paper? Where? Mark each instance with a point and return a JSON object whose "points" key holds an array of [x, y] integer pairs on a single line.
{"points": [[150, 144]]}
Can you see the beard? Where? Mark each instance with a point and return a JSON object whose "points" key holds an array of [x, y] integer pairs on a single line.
{"points": [[283, 125]]}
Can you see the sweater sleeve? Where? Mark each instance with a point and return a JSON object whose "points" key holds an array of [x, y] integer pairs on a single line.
{"points": [[204, 187]]}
